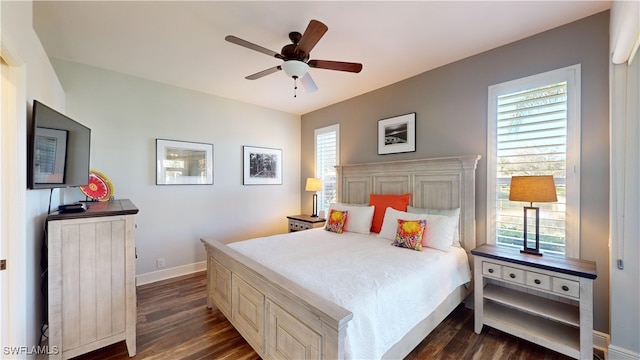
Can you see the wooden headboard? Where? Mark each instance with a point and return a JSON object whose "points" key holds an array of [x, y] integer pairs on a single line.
{"points": [[438, 183]]}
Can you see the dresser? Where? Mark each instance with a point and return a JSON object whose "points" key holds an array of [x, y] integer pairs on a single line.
{"points": [[304, 222], [547, 300], [91, 278]]}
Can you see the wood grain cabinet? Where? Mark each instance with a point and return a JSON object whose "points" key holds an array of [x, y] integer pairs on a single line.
{"points": [[91, 278], [547, 300]]}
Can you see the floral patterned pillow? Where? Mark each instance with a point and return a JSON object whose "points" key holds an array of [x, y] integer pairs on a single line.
{"points": [[410, 233], [336, 220]]}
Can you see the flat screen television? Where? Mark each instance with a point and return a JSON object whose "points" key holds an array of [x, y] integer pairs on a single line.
{"points": [[58, 150]]}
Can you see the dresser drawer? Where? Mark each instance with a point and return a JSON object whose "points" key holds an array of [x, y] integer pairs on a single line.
{"points": [[491, 270], [513, 274], [538, 281], [566, 287]]}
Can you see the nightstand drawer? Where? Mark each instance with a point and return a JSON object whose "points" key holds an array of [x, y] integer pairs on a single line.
{"points": [[539, 281], [295, 225], [513, 274], [491, 270], [566, 287], [304, 222]]}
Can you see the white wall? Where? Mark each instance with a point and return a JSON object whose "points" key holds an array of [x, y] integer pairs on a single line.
{"points": [[40, 82], [126, 114]]}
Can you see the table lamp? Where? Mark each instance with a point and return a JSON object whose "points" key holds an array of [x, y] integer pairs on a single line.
{"points": [[315, 185], [532, 189]]}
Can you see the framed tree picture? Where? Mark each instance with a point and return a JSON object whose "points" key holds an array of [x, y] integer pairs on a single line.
{"points": [[397, 134], [262, 166]]}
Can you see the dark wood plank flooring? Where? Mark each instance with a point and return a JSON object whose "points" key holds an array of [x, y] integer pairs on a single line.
{"points": [[175, 323]]}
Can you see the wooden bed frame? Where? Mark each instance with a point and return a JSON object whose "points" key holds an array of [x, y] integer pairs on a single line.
{"points": [[282, 320]]}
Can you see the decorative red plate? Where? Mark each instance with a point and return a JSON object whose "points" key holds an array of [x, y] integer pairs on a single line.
{"points": [[99, 188]]}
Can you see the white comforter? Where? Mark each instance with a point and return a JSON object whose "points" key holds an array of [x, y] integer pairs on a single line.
{"points": [[388, 289]]}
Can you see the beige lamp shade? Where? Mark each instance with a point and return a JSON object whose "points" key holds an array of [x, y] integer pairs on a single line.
{"points": [[533, 189], [313, 184]]}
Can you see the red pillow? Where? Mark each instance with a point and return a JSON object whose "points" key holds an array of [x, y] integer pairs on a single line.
{"points": [[381, 203]]}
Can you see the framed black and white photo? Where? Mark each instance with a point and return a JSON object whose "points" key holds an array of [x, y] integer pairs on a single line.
{"points": [[262, 166], [183, 163], [397, 134]]}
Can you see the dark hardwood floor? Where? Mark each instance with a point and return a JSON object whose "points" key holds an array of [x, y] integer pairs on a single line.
{"points": [[174, 323]]}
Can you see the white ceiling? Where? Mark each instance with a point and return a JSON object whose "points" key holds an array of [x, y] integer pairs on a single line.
{"points": [[182, 43]]}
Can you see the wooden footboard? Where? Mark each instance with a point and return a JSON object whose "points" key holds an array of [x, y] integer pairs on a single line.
{"points": [[277, 317]]}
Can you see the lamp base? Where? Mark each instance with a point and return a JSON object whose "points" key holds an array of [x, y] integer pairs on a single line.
{"points": [[531, 251], [315, 206]]}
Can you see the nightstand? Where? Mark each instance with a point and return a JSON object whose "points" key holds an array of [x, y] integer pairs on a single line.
{"points": [[304, 222], [547, 300]]}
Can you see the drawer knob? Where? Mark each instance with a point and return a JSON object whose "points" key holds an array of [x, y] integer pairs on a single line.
{"points": [[513, 276], [537, 281], [490, 271], [565, 288]]}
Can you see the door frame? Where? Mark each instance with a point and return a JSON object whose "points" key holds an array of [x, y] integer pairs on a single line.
{"points": [[13, 135]]}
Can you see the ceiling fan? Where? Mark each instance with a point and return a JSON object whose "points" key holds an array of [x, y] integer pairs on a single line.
{"points": [[296, 56]]}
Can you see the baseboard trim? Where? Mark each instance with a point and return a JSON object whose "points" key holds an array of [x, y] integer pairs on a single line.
{"points": [[618, 353], [165, 274], [601, 342]]}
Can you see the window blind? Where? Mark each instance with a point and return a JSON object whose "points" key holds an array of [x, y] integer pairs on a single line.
{"points": [[532, 140], [326, 140]]}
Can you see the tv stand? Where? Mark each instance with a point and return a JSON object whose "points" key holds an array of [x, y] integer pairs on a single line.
{"points": [[91, 279]]}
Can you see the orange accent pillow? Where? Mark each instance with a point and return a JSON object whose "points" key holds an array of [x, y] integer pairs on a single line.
{"points": [[381, 203]]}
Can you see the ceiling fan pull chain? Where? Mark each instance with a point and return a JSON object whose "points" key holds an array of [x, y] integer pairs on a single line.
{"points": [[295, 86]]}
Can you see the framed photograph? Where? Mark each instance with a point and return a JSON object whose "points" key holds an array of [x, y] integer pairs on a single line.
{"points": [[50, 156], [183, 163], [261, 166], [397, 134]]}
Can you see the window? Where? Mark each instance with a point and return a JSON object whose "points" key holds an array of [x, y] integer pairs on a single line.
{"points": [[327, 141], [534, 129]]}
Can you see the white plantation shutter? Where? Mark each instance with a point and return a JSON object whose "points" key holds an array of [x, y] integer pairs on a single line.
{"points": [[327, 155], [532, 126]]}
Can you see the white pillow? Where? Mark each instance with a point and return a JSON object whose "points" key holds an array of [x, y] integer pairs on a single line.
{"points": [[451, 212], [440, 228], [359, 217], [440, 231]]}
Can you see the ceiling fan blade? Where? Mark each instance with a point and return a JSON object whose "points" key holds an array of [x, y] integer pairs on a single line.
{"points": [[252, 46], [315, 30], [335, 65], [308, 83], [262, 73]]}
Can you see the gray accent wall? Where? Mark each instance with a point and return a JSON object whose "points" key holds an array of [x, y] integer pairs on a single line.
{"points": [[451, 119]]}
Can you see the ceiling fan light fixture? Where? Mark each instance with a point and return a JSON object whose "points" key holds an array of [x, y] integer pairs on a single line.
{"points": [[295, 69]]}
